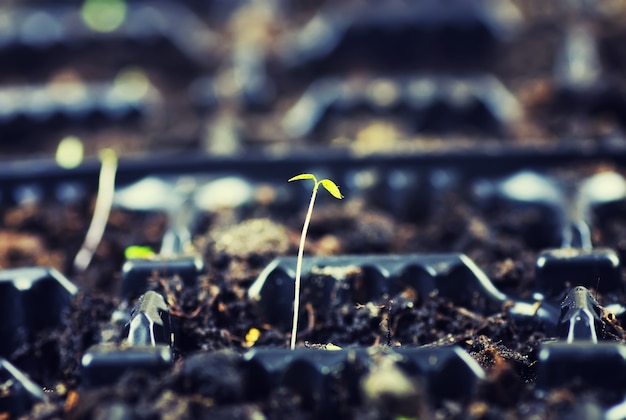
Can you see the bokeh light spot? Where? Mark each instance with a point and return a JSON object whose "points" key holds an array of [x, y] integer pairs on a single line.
{"points": [[70, 152], [104, 15]]}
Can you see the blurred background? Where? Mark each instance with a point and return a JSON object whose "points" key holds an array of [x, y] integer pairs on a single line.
{"points": [[230, 77], [406, 104]]}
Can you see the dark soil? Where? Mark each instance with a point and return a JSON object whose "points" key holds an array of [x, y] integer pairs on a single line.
{"points": [[214, 318]]}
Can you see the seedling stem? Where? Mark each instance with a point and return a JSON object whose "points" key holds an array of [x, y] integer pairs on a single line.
{"points": [[333, 189], [104, 201]]}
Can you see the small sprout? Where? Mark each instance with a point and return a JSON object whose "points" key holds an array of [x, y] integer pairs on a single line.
{"points": [[333, 189], [70, 152], [104, 201], [138, 252]]}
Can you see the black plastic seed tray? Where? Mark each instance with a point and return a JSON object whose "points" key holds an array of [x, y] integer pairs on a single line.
{"points": [[106, 364], [377, 277], [145, 348], [31, 300], [433, 104], [136, 272], [17, 392], [493, 40], [453, 276], [345, 90], [48, 177], [581, 316], [583, 364], [24, 107], [359, 279], [447, 372], [149, 323], [403, 35], [30, 31], [597, 268]]}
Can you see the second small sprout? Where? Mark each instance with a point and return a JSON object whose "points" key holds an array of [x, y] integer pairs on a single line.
{"points": [[333, 189]]}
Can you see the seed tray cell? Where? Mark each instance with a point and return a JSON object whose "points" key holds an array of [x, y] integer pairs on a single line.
{"points": [[18, 393], [329, 281], [146, 347], [71, 102], [454, 276], [105, 364], [137, 272], [597, 268], [149, 323], [41, 29], [32, 300], [581, 316], [432, 104], [448, 372], [438, 34], [46, 176], [585, 364]]}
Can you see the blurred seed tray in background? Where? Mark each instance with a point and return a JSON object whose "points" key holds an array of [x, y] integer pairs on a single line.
{"points": [[35, 108], [567, 88], [30, 31]]}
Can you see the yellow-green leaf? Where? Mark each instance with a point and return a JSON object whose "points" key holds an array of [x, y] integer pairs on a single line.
{"points": [[331, 346], [332, 188], [302, 176], [140, 252]]}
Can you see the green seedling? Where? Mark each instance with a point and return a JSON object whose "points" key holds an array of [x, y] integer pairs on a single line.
{"points": [[138, 252], [333, 189], [102, 209]]}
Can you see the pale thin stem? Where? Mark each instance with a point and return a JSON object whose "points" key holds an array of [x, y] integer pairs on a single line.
{"points": [[296, 299], [104, 201]]}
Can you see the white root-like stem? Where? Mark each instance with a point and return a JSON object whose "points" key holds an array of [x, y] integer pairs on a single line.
{"points": [[296, 299], [104, 201]]}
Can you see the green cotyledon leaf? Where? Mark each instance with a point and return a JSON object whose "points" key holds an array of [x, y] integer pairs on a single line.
{"points": [[332, 188], [137, 251], [302, 176]]}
